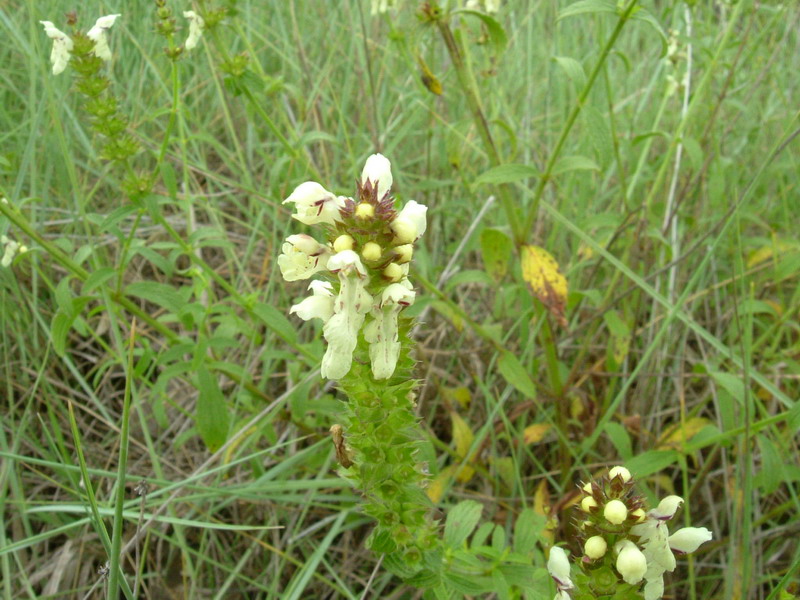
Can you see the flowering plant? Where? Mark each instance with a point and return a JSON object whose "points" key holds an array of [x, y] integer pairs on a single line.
{"points": [[642, 549]]}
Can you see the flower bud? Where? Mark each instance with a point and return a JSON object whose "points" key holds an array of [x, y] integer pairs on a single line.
{"points": [[621, 472], [378, 170], [371, 251], [588, 503], [405, 231], [306, 243], [365, 210], [615, 512], [595, 547], [587, 487], [639, 515], [342, 243], [393, 272], [631, 563]]}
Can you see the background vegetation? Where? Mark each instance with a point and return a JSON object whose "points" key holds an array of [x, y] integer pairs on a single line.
{"points": [[676, 230]]}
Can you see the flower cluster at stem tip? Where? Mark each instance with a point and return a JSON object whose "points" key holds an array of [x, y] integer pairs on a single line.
{"points": [[641, 547], [365, 258]]}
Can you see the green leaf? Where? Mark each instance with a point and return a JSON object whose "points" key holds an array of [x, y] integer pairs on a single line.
{"points": [[169, 179], [528, 530], [64, 298], [497, 35], [651, 462], [275, 321], [496, 248], [621, 440], [508, 173], [158, 293], [212, 413], [599, 133], [771, 473], [98, 278], [515, 374], [573, 69], [59, 329], [574, 163], [461, 521], [644, 16], [588, 6]]}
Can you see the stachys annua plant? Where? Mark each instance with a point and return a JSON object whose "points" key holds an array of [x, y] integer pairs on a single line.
{"points": [[360, 260]]}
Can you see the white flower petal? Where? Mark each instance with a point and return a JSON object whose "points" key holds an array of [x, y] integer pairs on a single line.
{"points": [[654, 589], [314, 204], [347, 261], [296, 264], [667, 508], [196, 26], [415, 213], [62, 46], [378, 170], [98, 34], [341, 330], [558, 567], [688, 539], [317, 306]]}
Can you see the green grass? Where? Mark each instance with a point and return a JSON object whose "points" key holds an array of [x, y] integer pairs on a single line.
{"points": [[680, 358]]}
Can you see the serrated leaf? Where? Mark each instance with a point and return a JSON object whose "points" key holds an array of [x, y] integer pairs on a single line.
{"points": [[507, 173], [566, 164], [540, 270], [515, 374], [211, 415], [461, 521], [588, 6], [158, 293], [496, 248], [497, 35], [528, 531], [573, 69], [533, 434]]}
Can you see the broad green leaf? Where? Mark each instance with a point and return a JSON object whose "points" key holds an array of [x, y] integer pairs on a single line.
{"points": [[59, 330], [461, 521], [588, 6], [599, 133], [497, 35], [574, 163], [158, 293], [731, 383], [65, 300], [212, 413], [651, 462], [98, 278], [515, 374], [573, 69], [771, 474], [169, 179], [508, 173], [496, 248], [621, 440]]}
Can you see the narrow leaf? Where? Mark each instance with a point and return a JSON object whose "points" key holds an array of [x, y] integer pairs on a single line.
{"points": [[515, 374], [212, 413], [508, 173]]}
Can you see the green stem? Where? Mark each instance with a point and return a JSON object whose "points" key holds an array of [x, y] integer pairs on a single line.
{"points": [[466, 80], [573, 116], [116, 535]]}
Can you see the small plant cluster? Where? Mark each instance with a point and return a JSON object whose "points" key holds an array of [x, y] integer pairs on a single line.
{"points": [[623, 544]]}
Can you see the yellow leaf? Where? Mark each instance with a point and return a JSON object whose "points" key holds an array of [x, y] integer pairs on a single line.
{"points": [[682, 432], [542, 506], [767, 252], [459, 395], [464, 473], [440, 483], [462, 434], [534, 434], [429, 80], [541, 271]]}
